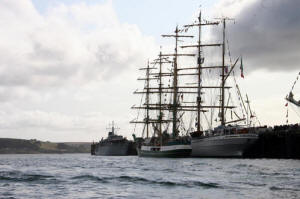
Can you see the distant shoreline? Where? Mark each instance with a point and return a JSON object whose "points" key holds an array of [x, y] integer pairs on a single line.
{"points": [[33, 146]]}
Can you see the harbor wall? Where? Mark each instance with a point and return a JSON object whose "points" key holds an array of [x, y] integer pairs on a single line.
{"points": [[277, 142]]}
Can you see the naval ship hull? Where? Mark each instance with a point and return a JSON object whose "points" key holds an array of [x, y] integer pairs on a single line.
{"points": [[113, 149], [222, 146]]}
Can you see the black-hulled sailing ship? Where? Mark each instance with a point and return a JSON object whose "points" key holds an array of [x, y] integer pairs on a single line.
{"points": [[113, 145], [160, 140]]}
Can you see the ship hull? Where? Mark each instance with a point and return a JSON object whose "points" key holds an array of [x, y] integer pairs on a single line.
{"points": [[222, 146], [175, 151], [112, 149]]}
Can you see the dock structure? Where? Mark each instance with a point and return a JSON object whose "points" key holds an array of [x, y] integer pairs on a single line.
{"points": [[277, 142]]}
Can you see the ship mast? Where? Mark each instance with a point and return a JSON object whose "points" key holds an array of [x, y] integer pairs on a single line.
{"points": [[199, 65], [175, 79], [113, 128], [223, 76], [199, 77], [160, 116], [147, 99], [175, 89], [146, 121]]}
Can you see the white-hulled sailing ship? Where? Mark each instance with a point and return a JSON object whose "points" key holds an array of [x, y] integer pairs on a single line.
{"points": [[227, 138]]}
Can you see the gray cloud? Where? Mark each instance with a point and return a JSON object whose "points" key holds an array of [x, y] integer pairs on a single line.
{"points": [[266, 33]]}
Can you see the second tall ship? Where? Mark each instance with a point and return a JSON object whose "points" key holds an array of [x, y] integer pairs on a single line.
{"points": [[161, 143]]}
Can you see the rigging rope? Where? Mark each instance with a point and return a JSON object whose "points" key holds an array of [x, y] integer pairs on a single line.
{"points": [[290, 96], [295, 82], [240, 98], [293, 102]]}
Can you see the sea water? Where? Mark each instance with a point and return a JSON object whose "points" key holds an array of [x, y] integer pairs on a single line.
{"points": [[86, 176]]}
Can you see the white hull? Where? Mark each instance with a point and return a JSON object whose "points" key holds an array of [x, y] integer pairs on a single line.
{"points": [[222, 146]]}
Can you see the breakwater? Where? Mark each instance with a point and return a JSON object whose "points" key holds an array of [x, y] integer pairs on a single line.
{"points": [[277, 142]]}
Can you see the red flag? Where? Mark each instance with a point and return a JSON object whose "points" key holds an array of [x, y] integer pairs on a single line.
{"points": [[242, 69], [286, 104], [226, 69]]}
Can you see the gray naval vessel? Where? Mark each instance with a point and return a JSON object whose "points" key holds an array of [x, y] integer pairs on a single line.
{"points": [[113, 145]]}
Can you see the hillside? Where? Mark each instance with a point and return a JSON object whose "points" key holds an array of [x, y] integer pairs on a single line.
{"points": [[21, 146]]}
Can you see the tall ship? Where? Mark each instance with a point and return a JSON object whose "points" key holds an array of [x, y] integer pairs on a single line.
{"points": [[196, 99], [163, 134], [221, 131], [113, 145]]}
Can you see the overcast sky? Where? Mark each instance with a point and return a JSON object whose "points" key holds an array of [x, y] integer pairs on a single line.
{"points": [[69, 67]]}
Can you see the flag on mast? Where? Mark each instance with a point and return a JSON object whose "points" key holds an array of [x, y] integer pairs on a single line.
{"points": [[241, 67]]}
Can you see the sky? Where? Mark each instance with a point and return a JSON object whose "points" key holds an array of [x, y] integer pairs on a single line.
{"points": [[69, 67]]}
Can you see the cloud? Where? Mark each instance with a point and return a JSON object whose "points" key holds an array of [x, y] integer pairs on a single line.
{"points": [[49, 120], [266, 32], [79, 41], [56, 68]]}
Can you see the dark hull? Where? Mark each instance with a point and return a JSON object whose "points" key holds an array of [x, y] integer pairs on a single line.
{"points": [[222, 146], [113, 149], [173, 151]]}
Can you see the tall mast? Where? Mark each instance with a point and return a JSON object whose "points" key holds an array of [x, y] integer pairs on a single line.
{"points": [[199, 65], [175, 89], [199, 77], [146, 105], [147, 99], [160, 116], [175, 78], [223, 76]]}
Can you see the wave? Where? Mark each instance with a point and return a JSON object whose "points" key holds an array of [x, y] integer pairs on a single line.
{"points": [[144, 180], [275, 188], [90, 177], [254, 184], [141, 180], [17, 176], [168, 183]]}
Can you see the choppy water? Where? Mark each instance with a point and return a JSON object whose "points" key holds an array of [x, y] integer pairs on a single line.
{"points": [[85, 176]]}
